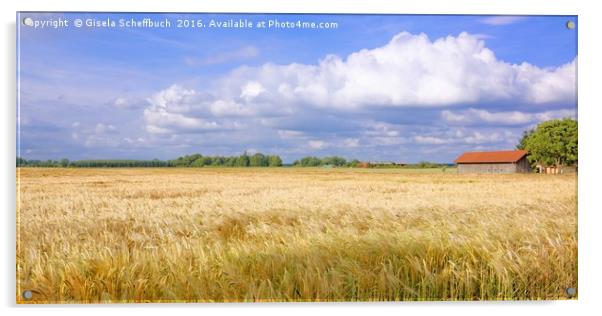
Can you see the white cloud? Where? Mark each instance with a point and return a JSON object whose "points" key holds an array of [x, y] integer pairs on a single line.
{"points": [[288, 134], [174, 98], [162, 121], [429, 140], [230, 108], [469, 137], [351, 142], [95, 135], [317, 144], [472, 116], [502, 19], [483, 138], [382, 134], [177, 108], [387, 141], [169, 111], [410, 70], [157, 130], [251, 90], [381, 129]]}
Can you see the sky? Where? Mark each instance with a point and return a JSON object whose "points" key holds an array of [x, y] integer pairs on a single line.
{"points": [[402, 88]]}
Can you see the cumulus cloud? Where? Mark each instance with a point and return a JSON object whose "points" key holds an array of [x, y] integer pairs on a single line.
{"points": [[251, 90], [160, 122], [478, 116], [231, 108], [169, 112], [410, 70], [181, 109], [175, 98]]}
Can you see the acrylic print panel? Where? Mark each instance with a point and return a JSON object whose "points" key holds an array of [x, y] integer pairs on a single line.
{"points": [[189, 157]]}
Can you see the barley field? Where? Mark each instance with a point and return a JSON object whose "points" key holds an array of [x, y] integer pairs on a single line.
{"points": [[292, 234]]}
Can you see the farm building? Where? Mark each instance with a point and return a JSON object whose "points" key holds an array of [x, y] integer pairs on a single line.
{"points": [[509, 161]]}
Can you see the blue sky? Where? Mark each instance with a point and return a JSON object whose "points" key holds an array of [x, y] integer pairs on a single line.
{"points": [[377, 87]]}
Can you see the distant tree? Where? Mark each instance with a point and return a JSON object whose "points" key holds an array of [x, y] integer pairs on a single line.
{"points": [[197, 163], [308, 161], [206, 160], [243, 160], [184, 161], [274, 161], [117, 163], [231, 161], [334, 160], [258, 160], [218, 161], [64, 162], [354, 163], [424, 164], [553, 142]]}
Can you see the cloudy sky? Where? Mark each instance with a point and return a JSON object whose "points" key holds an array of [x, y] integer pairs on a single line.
{"points": [[394, 87]]}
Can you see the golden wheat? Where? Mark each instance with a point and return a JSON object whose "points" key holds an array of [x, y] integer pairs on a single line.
{"points": [[138, 235]]}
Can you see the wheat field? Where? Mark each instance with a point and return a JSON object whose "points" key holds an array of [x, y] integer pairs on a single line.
{"points": [[292, 234]]}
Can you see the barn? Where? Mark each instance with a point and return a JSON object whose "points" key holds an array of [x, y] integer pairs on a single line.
{"points": [[506, 161]]}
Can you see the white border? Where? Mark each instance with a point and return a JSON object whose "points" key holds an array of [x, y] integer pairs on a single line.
{"points": [[590, 210]]}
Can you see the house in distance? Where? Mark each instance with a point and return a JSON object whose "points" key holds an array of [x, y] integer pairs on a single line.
{"points": [[507, 161]]}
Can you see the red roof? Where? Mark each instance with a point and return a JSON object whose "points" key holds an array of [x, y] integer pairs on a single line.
{"points": [[491, 156]]}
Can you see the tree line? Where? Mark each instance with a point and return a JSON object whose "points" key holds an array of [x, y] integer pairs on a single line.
{"points": [[244, 160], [92, 163], [195, 160], [198, 160], [336, 161]]}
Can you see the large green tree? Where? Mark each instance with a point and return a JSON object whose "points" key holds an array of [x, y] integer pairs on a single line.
{"points": [[552, 143]]}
